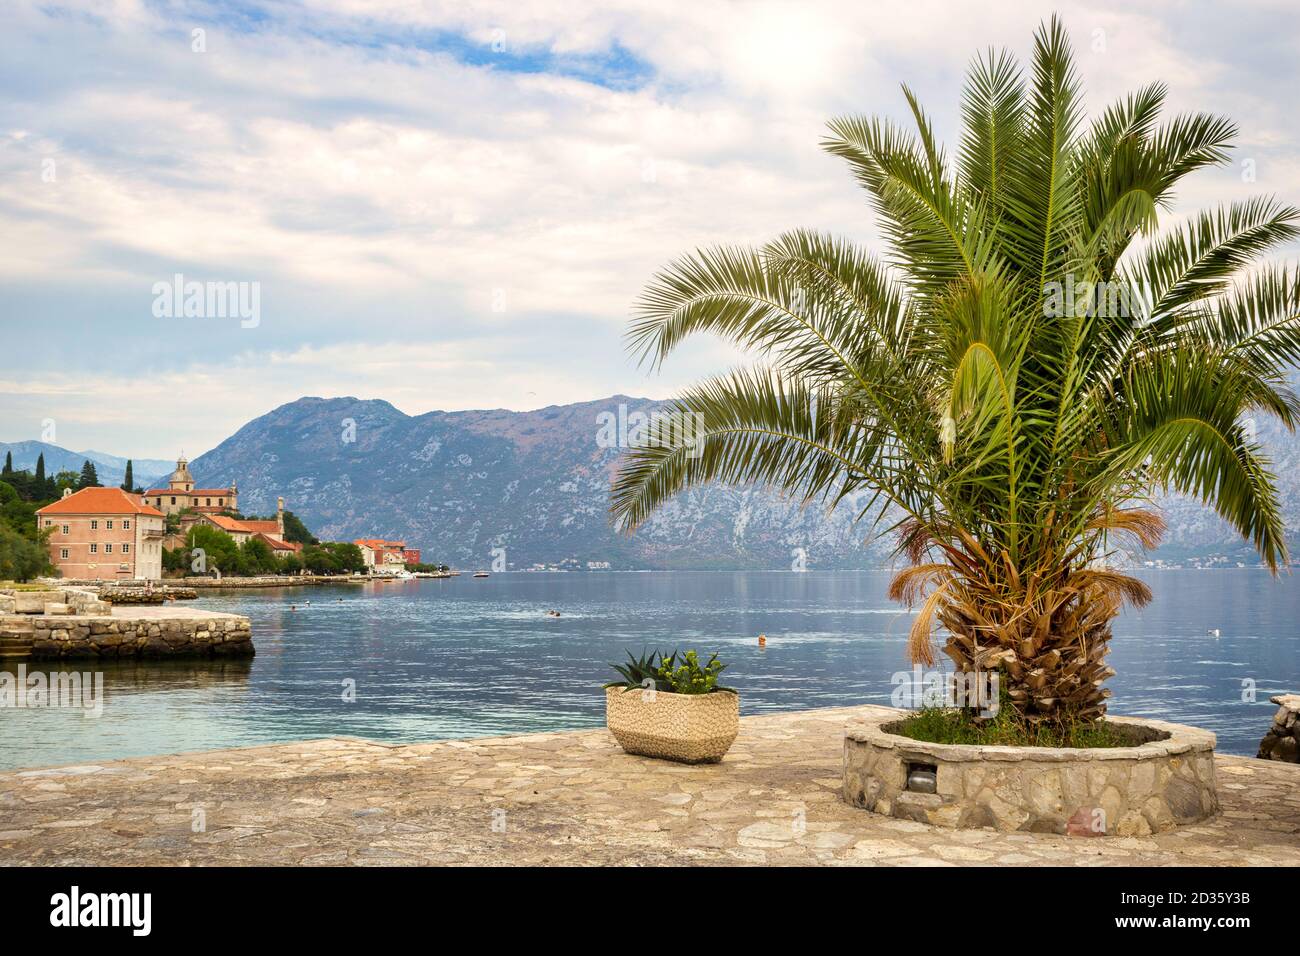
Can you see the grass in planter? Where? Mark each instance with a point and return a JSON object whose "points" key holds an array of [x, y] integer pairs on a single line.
{"points": [[942, 725]]}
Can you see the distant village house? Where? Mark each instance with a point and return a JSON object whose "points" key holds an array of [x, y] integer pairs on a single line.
{"points": [[381, 555]]}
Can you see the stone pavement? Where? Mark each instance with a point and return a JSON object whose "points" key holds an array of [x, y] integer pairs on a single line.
{"points": [[564, 798]]}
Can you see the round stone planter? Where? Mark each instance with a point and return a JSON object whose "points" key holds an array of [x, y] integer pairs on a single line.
{"points": [[688, 728], [1165, 779]]}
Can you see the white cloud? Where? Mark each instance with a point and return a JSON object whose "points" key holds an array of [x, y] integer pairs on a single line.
{"points": [[387, 194]]}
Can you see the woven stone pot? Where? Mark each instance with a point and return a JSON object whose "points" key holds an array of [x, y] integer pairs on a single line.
{"points": [[688, 728]]}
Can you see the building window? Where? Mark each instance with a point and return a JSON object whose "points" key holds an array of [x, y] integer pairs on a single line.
{"points": [[94, 548], [94, 525], [63, 554], [108, 547], [173, 499], [65, 529], [126, 549], [126, 525], [207, 501], [48, 522], [109, 524]]}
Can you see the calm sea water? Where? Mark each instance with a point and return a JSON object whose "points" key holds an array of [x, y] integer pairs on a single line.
{"points": [[467, 657]]}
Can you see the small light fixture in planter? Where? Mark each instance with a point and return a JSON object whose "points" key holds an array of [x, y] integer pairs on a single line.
{"points": [[672, 708]]}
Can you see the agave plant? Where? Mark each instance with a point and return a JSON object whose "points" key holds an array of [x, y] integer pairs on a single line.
{"points": [[1009, 386], [639, 672]]}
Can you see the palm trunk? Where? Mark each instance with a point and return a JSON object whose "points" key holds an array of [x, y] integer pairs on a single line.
{"points": [[1050, 655]]}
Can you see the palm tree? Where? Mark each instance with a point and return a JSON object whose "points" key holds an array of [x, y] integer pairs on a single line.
{"points": [[1030, 362]]}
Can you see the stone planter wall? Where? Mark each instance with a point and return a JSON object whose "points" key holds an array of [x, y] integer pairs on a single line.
{"points": [[53, 638], [1282, 742], [1164, 780]]}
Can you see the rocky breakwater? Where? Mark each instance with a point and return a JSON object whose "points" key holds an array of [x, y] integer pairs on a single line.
{"points": [[72, 623], [1282, 742], [147, 595], [166, 634]]}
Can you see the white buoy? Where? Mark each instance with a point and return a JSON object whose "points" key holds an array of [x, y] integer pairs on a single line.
{"points": [[1213, 632]]}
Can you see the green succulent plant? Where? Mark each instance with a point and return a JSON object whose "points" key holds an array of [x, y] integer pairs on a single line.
{"points": [[670, 675]]}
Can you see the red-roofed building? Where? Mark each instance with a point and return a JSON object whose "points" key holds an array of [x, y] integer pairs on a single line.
{"points": [[278, 548], [381, 555], [180, 494], [104, 534], [272, 532]]}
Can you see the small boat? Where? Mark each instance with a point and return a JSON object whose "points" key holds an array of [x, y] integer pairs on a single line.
{"points": [[480, 574]]}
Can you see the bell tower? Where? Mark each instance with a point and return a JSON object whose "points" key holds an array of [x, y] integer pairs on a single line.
{"points": [[181, 479]]}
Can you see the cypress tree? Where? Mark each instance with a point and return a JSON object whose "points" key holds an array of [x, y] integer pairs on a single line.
{"points": [[40, 467], [9, 463], [128, 482]]}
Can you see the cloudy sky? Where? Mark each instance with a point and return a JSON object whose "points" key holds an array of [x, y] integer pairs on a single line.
{"points": [[454, 205]]}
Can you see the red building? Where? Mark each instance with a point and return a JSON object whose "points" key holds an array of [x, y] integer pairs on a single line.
{"points": [[104, 534]]}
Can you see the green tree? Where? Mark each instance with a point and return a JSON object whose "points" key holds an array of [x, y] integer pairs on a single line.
{"points": [[296, 531], [347, 555], [9, 463], [255, 557], [40, 468], [996, 389], [89, 478], [21, 559], [219, 550], [319, 560], [333, 557], [24, 552], [128, 482]]}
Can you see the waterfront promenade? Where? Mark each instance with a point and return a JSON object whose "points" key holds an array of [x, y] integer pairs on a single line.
{"points": [[564, 798]]}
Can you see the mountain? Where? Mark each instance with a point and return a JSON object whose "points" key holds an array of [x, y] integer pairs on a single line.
{"points": [[110, 468], [461, 485]]}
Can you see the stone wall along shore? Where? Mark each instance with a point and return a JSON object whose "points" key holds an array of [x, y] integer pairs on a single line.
{"points": [[56, 638], [72, 622]]}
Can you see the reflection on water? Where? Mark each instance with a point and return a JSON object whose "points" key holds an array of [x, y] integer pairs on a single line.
{"points": [[468, 657]]}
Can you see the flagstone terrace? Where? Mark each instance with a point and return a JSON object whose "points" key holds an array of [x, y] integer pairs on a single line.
{"points": [[565, 798]]}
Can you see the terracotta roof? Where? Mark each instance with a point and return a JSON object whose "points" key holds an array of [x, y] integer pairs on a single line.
{"points": [[278, 545], [99, 501], [270, 527], [379, 544], [227, 523]]}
